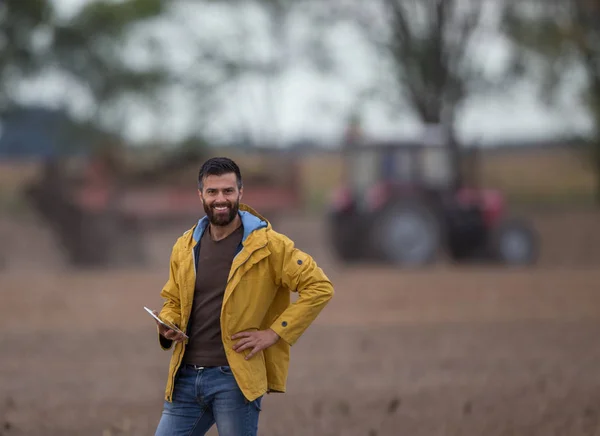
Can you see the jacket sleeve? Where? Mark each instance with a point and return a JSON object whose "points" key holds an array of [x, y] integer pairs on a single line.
{"points": [[298, 272], [171, 309]]}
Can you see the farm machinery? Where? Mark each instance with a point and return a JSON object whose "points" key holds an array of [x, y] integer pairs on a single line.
{"points": [[99, 210], [403, 203]]}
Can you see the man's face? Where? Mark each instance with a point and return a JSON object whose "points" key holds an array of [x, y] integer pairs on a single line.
{"points": [[220, 197]]}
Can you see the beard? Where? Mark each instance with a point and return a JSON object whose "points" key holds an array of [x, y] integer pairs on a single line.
{"points": [[221, 217]]}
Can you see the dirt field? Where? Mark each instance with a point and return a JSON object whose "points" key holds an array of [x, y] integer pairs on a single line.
{"points": [[447, 351]]}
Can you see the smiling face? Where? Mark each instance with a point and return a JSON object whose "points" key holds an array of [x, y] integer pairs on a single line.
{"points": [[221, 197]]}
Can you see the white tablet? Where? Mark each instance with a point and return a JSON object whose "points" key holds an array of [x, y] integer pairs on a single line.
{"points": [[169, 326]]}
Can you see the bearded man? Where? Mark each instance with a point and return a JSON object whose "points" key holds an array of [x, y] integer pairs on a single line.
{"points": [[228, 290]]}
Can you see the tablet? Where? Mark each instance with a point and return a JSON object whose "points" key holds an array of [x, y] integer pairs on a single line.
{"points": [[169, 326]]}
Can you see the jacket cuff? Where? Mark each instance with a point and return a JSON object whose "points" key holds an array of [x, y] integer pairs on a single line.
{"points": [[164, 343], [281, 327]]}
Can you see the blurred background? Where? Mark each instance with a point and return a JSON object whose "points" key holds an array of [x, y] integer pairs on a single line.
{"points": [[439, 159]]}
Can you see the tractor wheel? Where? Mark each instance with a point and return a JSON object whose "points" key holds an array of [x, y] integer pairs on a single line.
{"points": [[407, 234], [515, 242], [345, 231]]}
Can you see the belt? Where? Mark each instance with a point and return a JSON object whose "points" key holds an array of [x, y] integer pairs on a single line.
{"points": [[195, 367], [198, 367]]}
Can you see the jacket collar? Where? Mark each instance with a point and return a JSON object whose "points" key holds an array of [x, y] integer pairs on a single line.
{"points": [[251, 220]]}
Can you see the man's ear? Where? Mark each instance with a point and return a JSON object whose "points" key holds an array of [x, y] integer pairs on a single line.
{"points": [[241, 193], [200, 195]]}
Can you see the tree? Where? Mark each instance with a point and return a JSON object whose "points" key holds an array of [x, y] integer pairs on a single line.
{"points": [[563, 36], [253, 56], [19, 21], [432, 48], [88, 52], [116, 63]]}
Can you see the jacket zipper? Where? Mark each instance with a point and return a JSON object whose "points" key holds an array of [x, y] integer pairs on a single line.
{"points": [[180, 357]]}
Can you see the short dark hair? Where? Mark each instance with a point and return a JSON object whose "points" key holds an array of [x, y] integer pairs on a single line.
{"points": [[217, 166]]}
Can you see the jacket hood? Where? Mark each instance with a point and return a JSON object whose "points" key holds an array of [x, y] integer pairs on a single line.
{"points": [[251, 220]]}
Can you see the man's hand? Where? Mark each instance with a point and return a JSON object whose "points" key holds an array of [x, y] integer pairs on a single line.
{"points": [[167, 332], [257, 340]]}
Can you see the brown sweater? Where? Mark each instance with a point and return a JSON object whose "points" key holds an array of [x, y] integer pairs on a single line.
{"points": [[205, 346]]}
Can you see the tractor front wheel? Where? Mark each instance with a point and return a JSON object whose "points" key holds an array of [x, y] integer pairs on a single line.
{"points": [[408, 234], [515, 242]]}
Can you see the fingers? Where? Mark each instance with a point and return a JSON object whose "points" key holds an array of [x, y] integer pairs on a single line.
{"points": [[242, 342], [253, 352], [251, 340], [244, 345], [174, 336], [253, 345], [242, 335]]}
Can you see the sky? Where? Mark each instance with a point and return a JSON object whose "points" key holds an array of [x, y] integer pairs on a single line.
{"points": [[303, 104]]}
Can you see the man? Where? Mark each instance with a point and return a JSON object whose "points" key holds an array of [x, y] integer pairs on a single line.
{"points": [[229, 291]]}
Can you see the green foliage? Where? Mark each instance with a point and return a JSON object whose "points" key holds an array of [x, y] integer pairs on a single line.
{"points": [[20, 22], [87, 48], [563, 35], [429, 47], [110, 18]]}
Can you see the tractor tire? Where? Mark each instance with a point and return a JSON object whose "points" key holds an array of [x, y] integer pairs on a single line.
{"points": [[407, 234], [515, 242], [345, 231]]}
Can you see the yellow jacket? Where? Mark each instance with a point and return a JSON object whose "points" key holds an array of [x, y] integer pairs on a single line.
{"points": [[265, 270]]}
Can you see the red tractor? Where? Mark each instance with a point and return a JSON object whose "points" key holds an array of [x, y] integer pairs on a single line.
{"points": [[400, 203]]}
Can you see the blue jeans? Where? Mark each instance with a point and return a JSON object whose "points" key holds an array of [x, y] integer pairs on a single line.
{"points": [[203, 397]]}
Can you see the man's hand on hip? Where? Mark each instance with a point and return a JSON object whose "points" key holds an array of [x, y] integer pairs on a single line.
{"points": [[257, 340]]}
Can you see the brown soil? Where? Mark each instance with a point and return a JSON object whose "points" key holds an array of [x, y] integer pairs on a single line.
{"points": [[444, 351]]}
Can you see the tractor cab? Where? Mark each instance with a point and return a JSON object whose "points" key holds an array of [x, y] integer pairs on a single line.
{"points": [[383, 168]]}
